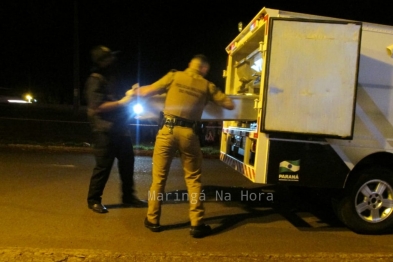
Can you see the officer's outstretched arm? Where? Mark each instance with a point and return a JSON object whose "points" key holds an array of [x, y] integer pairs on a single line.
{"points": [[146, 91]]}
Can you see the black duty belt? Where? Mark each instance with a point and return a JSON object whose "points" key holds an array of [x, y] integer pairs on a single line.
{"points": [[172, 122]]}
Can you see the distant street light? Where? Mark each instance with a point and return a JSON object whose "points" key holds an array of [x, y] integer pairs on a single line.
{"points": [[29, 98]]}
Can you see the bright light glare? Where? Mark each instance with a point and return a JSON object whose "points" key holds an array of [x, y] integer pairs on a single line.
{"points": [[138, 109], [17, 101]]}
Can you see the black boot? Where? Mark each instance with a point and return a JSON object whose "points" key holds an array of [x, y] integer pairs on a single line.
{"points": [[200, 231]]}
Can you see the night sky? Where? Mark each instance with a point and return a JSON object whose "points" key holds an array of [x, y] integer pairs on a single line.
{"points": [[38, 37]]}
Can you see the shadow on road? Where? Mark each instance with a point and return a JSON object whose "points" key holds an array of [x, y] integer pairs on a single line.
{"points": [[306, 211]]}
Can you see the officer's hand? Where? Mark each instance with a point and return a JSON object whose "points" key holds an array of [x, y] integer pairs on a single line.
{"points": [[130, 92]]}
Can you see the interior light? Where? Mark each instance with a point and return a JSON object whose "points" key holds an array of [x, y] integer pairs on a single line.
{"points": [[257, 66]]}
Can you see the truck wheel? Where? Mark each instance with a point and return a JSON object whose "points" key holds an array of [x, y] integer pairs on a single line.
{"points": [[367, 207]]}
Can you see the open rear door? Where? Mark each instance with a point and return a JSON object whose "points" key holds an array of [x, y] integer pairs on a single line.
{"points": [[311, 77]]}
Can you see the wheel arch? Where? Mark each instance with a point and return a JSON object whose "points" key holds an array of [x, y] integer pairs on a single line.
{"points": [[378, 159]]}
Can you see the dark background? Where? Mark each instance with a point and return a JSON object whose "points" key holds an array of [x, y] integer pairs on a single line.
{"points": [[38, 38]]}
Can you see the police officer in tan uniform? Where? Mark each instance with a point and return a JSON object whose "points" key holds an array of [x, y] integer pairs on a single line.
{"points": [[187, 93]]}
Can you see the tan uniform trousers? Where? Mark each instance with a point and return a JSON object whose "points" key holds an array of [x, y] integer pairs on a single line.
{"points": [[184, 140]]}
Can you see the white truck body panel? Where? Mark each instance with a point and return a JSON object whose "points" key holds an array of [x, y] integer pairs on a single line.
{"points": [[312, 50], [374, 111]]}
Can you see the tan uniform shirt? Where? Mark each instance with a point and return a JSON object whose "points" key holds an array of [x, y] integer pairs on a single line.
{"points": [[187, 93]]}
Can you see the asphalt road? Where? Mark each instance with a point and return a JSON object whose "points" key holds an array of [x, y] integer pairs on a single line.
{"points": [[44, 217]]}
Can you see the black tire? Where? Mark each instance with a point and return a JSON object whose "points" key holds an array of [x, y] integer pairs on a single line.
{"points": [[367, 206]]}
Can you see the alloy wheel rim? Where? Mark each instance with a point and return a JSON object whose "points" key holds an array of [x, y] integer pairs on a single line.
{"points": [[374, 201]]}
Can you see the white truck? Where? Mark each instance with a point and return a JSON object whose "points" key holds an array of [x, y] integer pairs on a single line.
{"points": [[321, 92]]}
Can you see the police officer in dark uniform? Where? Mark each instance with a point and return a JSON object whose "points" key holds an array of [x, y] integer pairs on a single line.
{"points": [[111, 136], [187, 93]]}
